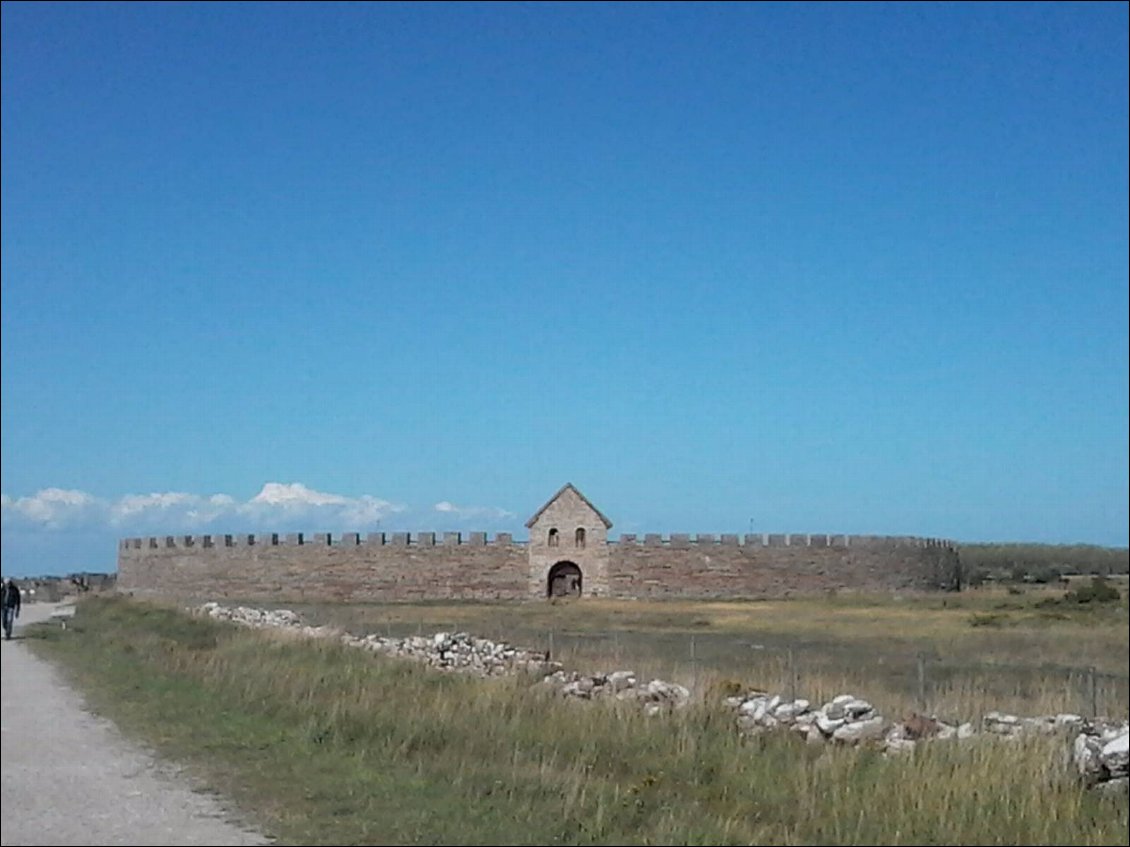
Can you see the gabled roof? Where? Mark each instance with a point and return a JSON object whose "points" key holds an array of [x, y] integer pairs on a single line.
{"points": [[568, 487]]}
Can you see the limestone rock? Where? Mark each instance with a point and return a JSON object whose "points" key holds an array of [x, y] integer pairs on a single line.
{"points": [[826, 724], [856, 732], [788, 711], [621, 680], [755, 708], [1115, 756], [835, 708]]}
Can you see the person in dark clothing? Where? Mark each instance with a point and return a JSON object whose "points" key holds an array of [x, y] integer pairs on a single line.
{"points": [[11, 605]]}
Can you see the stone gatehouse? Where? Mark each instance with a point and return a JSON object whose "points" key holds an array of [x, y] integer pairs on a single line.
{"points": [[568, 553]]}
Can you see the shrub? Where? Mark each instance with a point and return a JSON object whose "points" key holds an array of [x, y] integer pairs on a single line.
{"points": [[1099, 591], [727, 688]]}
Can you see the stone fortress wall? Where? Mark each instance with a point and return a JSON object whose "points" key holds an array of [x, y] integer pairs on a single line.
{"points": [[568, 553]]}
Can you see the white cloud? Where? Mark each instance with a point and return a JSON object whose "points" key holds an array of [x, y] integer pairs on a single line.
{"points": [[63, 530], [51, 508], [278, 505], [205, 510], [367, 511], [172, 509], [295, 494], [133, 505], [491, 513], [294, 500]]}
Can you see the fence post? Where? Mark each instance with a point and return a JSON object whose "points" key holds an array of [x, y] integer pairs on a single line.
{"points": [[1092, 672], [921, 683], [549, 652], [694, 666], [792, 675]]}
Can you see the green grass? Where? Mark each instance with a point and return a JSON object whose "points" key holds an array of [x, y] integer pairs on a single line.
{"points": [[324, 744]]}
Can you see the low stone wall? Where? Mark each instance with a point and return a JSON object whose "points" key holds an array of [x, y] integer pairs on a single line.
{"points": [[1098, 747], [1098, 750], [462, 652]]}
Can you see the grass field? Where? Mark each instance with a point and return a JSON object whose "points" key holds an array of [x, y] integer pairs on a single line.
{"points": [[958, 655], [327, 745]]}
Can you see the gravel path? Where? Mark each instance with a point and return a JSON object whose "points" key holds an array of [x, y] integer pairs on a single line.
{"points": [[69, 777]]}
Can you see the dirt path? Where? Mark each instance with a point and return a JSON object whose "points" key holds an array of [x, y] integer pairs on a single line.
{"points": [[68, 777]]}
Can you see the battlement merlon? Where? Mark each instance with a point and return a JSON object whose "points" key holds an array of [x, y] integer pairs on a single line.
{"points": [[479, 539], [318, 539], [772, 539]]}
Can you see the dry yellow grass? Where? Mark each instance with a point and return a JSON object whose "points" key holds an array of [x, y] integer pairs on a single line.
{"points": [[327, 744], [957, 655]]}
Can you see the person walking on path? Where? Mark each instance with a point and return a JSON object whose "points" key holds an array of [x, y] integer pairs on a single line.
{"points": [[11, 604]]}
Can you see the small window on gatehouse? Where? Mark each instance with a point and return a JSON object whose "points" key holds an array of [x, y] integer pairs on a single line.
{"points": [[552, 540], [579, 538]]}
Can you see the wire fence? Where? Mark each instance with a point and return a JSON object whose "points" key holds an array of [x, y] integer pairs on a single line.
{"points": [[898, 677]]}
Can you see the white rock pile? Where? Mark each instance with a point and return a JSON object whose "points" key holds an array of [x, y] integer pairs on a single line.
{"points": [[449, 651], [253, 617], [1099, 750], [656, 696], [460, 651], [1101, 758]]}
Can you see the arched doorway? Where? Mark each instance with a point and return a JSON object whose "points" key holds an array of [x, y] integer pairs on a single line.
{"points": [[564, 581]]}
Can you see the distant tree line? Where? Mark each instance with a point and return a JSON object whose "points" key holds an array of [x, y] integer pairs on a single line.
{"points": [[1039, 562]]}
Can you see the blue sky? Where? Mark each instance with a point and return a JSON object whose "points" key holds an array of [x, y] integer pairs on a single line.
{"points": [[789, 267]]}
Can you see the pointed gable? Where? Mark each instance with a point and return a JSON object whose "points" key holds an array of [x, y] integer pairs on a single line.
{"points": [[561, 492]]}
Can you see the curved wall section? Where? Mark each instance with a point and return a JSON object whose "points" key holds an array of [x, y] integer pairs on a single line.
{"points": [[406, 568], [778, 566]]}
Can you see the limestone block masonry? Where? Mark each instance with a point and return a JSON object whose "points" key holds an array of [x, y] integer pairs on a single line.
{"points": [[568, 553], [569, 529]]}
